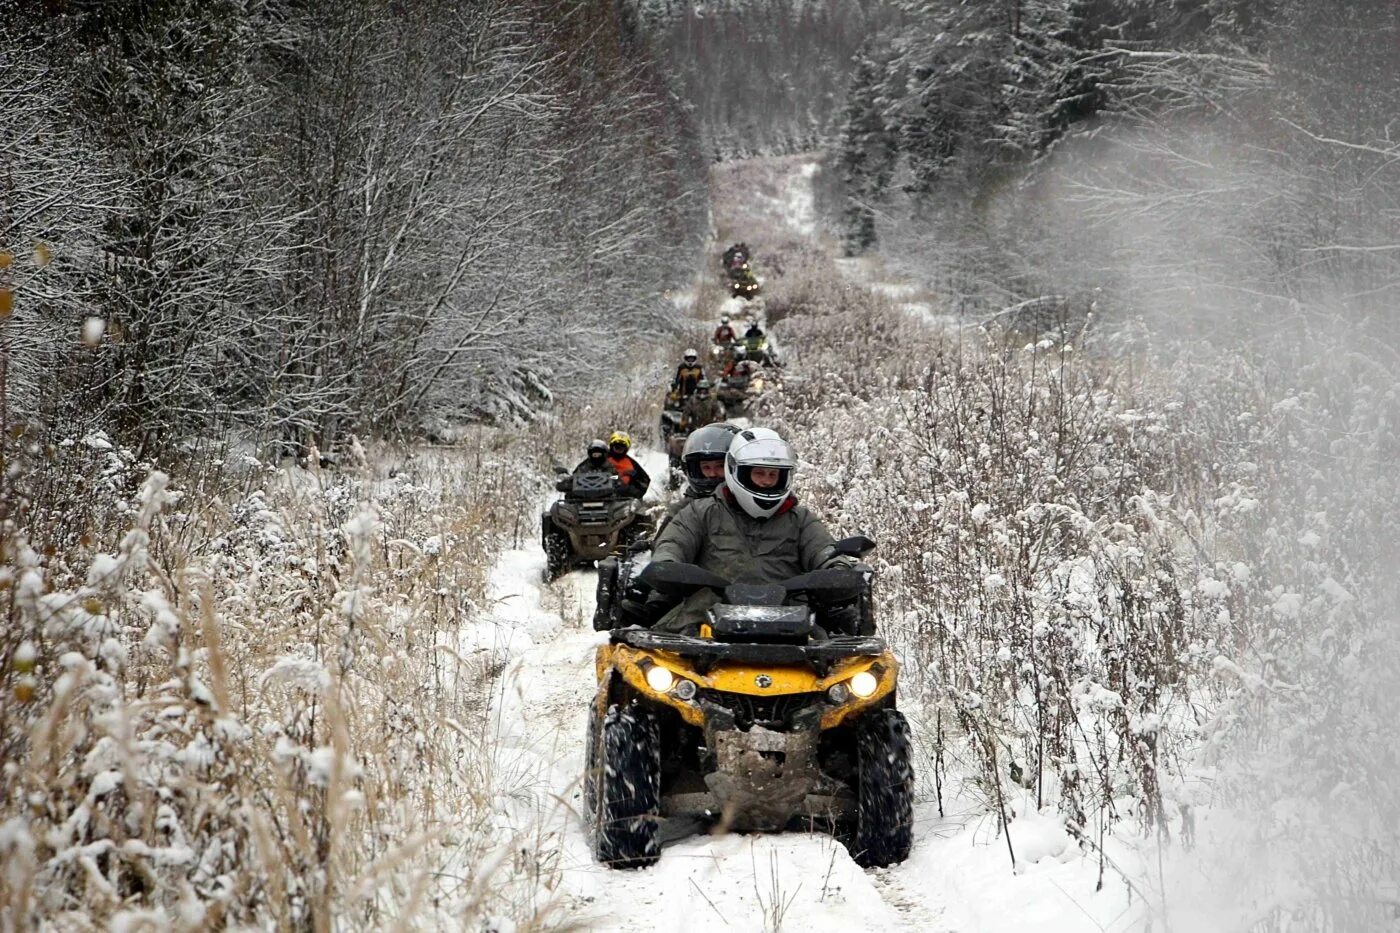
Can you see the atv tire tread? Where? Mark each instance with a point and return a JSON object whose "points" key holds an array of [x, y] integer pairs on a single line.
{"points": [[590, 767], [884, 831], [557, 555], [627, 789]]}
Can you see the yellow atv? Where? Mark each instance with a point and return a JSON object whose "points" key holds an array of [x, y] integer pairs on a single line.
{"points": [[773, 715]]}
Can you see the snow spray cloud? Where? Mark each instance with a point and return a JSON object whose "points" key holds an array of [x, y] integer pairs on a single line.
{"points": [[1257, 270]]}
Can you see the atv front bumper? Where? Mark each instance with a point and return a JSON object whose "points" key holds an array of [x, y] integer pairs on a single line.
{"points": [[762, 781]]}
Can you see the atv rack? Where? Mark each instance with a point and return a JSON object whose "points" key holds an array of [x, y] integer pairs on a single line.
{"points": [[706, 653]]}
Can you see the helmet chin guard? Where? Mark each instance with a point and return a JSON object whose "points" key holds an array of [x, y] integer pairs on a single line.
{"points": [[763, 449]]}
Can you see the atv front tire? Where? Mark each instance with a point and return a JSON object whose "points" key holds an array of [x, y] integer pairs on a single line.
{"points": [[884, 790], [627, 789], [557, 555]]}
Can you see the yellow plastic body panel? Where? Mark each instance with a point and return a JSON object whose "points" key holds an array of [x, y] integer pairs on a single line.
{"points": [[631, 664]]}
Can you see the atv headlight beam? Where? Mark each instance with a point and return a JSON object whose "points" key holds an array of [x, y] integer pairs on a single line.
{"points": [[864, 684], [659, 678]]}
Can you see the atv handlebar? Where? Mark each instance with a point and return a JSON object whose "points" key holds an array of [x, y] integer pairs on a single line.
{"points": [[671, 578]]}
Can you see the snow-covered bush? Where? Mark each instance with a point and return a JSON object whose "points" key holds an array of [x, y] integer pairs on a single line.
{"points": [[263, 721], [1030, 576]]}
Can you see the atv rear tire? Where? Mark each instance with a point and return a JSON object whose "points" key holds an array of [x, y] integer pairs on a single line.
{"points": [[627, 790], [885, 790], [557, 555], [606, 595]]}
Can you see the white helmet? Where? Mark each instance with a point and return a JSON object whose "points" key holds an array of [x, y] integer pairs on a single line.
{"points": [[691, 355], [759, 447]]}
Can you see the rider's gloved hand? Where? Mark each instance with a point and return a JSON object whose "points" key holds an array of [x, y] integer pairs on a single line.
{"points": [[638, 612], [843, 619]]}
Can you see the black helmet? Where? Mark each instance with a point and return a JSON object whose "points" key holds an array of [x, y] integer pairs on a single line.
{"points": [[708, 443], [596, 448]]}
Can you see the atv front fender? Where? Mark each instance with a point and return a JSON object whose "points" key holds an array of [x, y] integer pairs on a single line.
{"points": [[630, 666]]}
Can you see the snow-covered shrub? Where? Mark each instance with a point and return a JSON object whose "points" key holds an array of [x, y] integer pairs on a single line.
{"points": [[264, 721], [1305, 742], [1030, 577]]}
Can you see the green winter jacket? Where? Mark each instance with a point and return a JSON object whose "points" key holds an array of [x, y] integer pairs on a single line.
{"points": [[716, 534]]}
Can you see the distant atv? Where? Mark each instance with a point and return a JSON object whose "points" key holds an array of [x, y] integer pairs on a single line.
{"points": [[673, 435], [779, 713], [594, 519], [675, 445], [740, 389], [743, 283]]}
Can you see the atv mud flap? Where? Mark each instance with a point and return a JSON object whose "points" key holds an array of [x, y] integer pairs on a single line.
{"points": [[762, 781]]}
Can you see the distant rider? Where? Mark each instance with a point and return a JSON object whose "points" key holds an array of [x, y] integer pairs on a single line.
{"points": [[701, 408], [736, 255], [755, 342], [688, 374], [635, 480], [724, 333]]}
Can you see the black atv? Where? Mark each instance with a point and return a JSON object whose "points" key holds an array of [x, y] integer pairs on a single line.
{"points": [[779, 712], [740, 390], [673, 437], [595, 518]]}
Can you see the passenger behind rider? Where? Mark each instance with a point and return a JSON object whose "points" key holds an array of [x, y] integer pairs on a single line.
{"points": [[752, 528], [688, 374], [635, 480], [702, 461]]}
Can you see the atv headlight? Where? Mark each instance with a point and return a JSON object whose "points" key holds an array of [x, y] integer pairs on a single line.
{"points": [[685, 689], [864, 684], [838, 693], [659, 679]]}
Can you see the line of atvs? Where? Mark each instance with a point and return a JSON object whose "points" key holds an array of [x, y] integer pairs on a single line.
{"points": [[743, 367], [778, 713]]}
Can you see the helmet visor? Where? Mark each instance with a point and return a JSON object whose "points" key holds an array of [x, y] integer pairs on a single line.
{"points": [[765, 482], [704, 471]]}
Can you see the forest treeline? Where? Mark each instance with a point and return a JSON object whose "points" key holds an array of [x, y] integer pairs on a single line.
{"points": [[1212, 161], [304, 219], [762, 77]]}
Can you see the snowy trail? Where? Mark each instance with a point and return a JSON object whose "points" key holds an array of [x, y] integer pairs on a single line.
{"points": [[750, 882], [958, 876], [543, 635]]}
